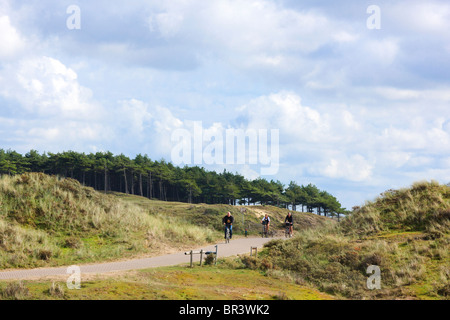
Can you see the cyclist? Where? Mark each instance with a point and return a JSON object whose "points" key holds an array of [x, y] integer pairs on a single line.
{"points": [[228, 223], [289, 221], [266, 222]]}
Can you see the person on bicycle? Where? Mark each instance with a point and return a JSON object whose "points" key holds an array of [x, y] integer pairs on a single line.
{"points": [[289, 221], [266, 222], [228, 223]]}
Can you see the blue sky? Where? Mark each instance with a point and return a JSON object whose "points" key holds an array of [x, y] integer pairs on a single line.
{"points": [[358, 110]]}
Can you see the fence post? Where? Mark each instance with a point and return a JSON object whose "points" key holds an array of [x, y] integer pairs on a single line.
{"points": [[201, 257], [215, 258], [191, 257]]}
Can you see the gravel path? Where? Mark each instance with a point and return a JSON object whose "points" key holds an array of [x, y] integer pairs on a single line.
{"points": [[235, 247]]}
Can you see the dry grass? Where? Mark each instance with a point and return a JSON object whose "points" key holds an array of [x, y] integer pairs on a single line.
{"points": [[15, 291], [45, 220], [405, 233], [56, 290], [425, 206]]}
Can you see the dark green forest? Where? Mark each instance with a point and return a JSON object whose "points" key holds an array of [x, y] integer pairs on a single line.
{"points": [[161, 180]]}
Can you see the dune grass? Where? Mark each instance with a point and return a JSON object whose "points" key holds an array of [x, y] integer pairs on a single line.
{"points": [[49, 221], [210, 216], [167, 283], [425, 206], [45, 221], [403, 232]]}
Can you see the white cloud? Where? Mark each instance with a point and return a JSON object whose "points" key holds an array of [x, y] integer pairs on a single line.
{"points": [[167, 24], [382, 51], [345, 37], [11, 42], [134, 117], [142, 126], [353, 168], [344, 143], [420, 16], [284, 111], [45, 87], [397, 94], [53, 110], [435, 94], [352, 105], [247, 34]]}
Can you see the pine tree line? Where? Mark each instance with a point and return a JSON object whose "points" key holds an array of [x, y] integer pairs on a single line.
{"points": [[162, 180]]}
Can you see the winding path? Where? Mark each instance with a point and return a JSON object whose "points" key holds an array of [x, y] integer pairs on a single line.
{"points": [[235, 247]]}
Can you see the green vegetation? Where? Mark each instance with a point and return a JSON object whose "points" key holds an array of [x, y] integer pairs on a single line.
{"points": [[169, 283], [46, 221], [404, 232], [210, 216], [423, 207], [161, 180]]}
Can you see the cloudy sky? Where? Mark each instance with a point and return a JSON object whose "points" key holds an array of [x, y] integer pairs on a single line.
{"points": [[358, 110]]}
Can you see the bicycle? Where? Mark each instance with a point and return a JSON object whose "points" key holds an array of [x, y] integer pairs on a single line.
{"points": [[227, 234], [264, 231], [287, 231]]}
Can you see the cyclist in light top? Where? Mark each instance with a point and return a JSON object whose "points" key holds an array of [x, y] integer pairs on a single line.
{"points": [[266, 221]]}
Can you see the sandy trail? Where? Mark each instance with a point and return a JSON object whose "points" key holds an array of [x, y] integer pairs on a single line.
{"points": [[235, 247]]}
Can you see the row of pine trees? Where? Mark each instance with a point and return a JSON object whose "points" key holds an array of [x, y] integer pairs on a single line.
{"points": [[161, 180]]}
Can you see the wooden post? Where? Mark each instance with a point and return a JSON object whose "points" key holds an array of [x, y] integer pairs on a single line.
{"points": [[201, 257], [191, 258], [215, 258]]}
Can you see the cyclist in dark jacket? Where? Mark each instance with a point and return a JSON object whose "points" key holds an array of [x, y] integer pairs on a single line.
{"points": [[289, 220], [228, 223]]}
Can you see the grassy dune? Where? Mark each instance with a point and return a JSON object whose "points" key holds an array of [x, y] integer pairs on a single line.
{"points": [[404, 232], [47, 221], [210, 216], [424, 207]]}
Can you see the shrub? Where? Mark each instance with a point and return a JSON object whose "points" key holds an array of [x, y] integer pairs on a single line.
{"points": [[250, 262], [444, 290], [373, 259], [209, 259], [44, 254], [15, 291], [73, 243], [56, 290]]}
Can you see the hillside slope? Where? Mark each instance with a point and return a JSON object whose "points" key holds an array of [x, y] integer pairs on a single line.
{"points": [[48, 221], [404, 232], [425, 207], [210, 215]]}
